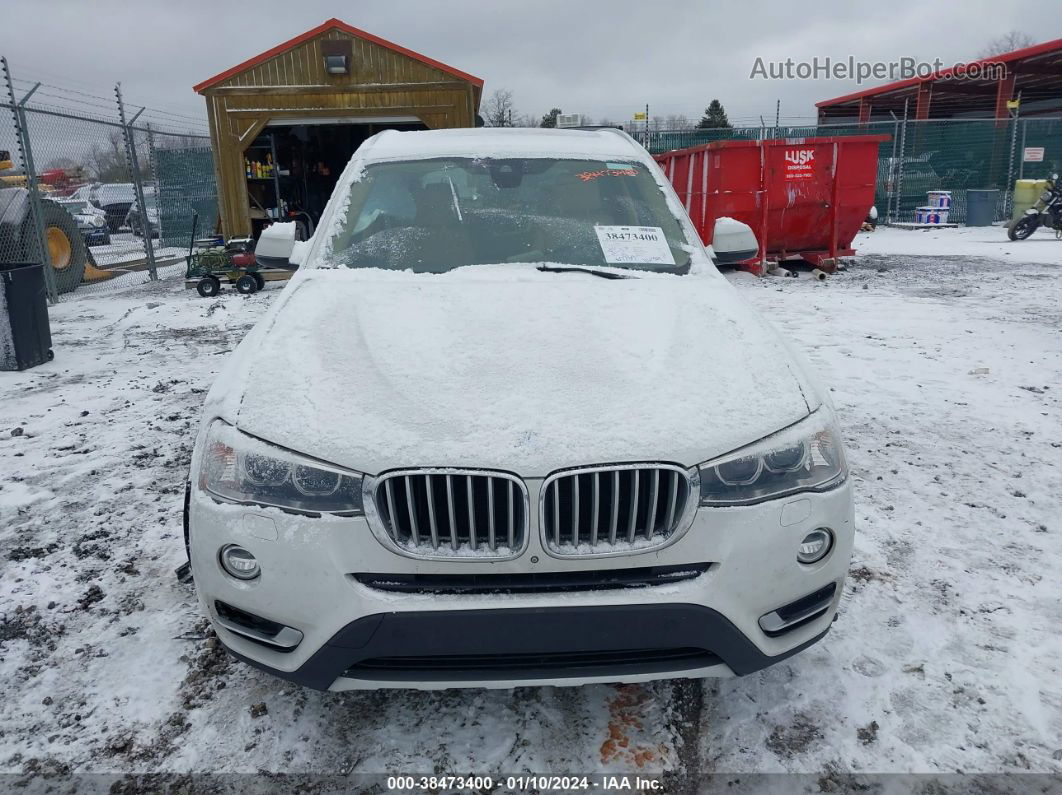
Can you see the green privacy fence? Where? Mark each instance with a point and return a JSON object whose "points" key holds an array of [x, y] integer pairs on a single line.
{"points": [[186, 187], [953, 154]]}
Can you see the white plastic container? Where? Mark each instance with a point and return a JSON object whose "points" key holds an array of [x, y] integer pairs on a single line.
{"points": [[931, 215], [939, 198]]}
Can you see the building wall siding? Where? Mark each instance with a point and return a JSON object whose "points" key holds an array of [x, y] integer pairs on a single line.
{"points": [[294, 84]]}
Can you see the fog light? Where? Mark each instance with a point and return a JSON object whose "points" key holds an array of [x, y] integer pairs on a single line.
{"points": [[815, 546], [238, 562]]}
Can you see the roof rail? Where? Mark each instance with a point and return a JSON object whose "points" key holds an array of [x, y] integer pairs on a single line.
{"points": [[608, 128]]}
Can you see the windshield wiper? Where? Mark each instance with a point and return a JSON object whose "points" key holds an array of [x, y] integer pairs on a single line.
{"points": [[591, 271]]}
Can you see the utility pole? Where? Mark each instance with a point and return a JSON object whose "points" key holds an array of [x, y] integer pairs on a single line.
{"points": [[777, 115]]}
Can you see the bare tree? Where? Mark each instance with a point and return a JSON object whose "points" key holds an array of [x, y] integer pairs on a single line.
{"points": [[108, 162], [179, 141], [1008, 42], [677, 121], [499, 108]]}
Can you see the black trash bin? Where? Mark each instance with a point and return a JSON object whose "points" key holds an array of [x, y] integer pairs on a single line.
{"points": [[981, 207], [25, 336]]}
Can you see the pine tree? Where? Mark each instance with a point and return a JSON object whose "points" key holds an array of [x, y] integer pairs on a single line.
{"points": [[714, 116], [550, 119]]}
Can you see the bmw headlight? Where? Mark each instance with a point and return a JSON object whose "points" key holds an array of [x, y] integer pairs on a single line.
{"points": [[240, 468], [807, 456]]}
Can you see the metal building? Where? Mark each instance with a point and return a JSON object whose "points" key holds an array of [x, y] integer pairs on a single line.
{"points": [[284, 123], [977, 90]]}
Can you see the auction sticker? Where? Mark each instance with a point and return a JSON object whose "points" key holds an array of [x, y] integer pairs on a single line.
{"points": [[629, 244]]}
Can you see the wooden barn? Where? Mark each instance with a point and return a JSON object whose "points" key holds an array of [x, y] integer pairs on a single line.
{"points": [[284, 123]]}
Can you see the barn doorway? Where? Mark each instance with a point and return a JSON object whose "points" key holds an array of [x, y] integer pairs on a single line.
{"points": [[293, 166]]}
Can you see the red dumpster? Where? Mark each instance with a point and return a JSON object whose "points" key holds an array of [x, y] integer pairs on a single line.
{"points": [[803, 197]]}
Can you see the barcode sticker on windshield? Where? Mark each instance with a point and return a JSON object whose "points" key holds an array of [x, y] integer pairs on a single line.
{"points": [[634, 244]]}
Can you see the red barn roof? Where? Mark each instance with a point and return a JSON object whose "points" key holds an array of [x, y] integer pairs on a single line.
{"points": [[336, 24]]}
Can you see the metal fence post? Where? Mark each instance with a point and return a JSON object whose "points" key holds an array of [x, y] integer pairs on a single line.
{"points": [[1008, 196], [899, 164], [18, 109], [153, 168], [890, 188], [138, 184], [1021, 161]]}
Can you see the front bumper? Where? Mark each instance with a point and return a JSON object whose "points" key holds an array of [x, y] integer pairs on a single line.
{"points": [[520, 646], [354, 636]]}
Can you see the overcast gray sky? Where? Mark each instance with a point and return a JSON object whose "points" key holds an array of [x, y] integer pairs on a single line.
{"points": [[602, 58]]}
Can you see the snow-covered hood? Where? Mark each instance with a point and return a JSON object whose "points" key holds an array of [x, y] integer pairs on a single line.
{"points": [[523, 371]]}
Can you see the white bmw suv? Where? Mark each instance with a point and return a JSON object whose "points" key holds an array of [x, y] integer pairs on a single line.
{"points": [[508, 425]]}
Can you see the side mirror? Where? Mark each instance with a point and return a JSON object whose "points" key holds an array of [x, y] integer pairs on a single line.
{"points": [[733, 242], [275, 246]]}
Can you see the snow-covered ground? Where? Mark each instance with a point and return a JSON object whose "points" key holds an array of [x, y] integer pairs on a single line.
{"points": [[970, 241], [947, 374]]}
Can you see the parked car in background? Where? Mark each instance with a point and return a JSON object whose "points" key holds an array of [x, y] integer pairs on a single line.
{"points": [[91, 221], [527, 434], [133, 217], [114, 198]]}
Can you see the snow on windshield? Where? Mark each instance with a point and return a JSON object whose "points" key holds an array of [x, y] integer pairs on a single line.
{"points": [[434, 215]]}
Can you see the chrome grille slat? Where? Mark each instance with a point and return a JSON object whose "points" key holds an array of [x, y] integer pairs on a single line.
{"points": [[632, 524], [427, 512], [433, 527], [389, 488], [641, 505], [674, 499], [471, 513], [650, 519], [450, 512], [412, 511], [556, 516], [597, 508], [615, 509], [512, 518], [575, 509], [490, 513]]}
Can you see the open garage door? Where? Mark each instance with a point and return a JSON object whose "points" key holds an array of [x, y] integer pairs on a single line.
{"points": [[293, 166]]}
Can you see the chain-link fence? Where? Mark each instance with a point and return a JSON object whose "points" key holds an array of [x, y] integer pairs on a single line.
{"points": [[108, 196], [951, 155]]}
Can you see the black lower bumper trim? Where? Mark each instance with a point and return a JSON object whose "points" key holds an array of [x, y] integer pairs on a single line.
{"points": [[546, 582], [531, 643]]}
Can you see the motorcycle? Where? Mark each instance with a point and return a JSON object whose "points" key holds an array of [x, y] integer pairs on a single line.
{"points": [[1046, 212]]}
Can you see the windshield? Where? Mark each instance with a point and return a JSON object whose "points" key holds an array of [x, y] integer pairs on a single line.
{"points": [[430, 216]]}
